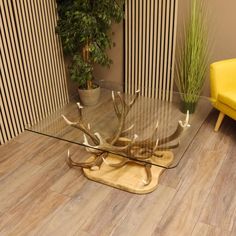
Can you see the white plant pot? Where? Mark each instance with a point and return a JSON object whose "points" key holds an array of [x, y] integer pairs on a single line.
{"points": [[89, 97]]}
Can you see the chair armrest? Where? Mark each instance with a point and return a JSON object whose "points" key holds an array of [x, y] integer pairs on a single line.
{"points": [[222, 77]]}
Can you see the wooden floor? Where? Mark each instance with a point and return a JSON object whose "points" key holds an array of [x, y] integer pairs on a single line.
{"points": [[40, 195]]}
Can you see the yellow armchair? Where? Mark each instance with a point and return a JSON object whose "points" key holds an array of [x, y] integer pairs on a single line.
{"points": [[223, 89]]}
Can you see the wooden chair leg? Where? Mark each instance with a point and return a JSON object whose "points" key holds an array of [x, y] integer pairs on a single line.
{"points": [[219, 121]]}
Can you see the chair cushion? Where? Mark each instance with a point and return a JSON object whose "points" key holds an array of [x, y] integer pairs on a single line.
{"points": [[228, 98]]}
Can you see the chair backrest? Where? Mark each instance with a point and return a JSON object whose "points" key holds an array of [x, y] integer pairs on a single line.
{"points": [[222, 76]]}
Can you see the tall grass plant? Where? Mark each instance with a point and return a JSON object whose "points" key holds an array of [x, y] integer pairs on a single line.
{"points": [[192, 60]]}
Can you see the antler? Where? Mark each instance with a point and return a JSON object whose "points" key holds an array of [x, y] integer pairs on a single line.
{"points": [[127, 106], [122, 113], [81, 125], [118, 144], [107, 147], [182, 126], [93, 165]]}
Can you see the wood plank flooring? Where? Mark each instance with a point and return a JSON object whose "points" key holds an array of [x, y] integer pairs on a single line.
{"points": [[40, 195]]}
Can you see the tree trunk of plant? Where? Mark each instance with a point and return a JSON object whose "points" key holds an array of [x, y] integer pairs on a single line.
{"points": [[89, 83]]}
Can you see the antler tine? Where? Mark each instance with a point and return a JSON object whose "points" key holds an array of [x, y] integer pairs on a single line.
{"points": [[79, 109], [126, 105], [137, 92], [115, 105], [121, 117], [67, 121], [90, 148], [93, 165], [149, 175], [182, 126], [129, 105], [156, 146], [186, 122], [79, 125], [128, 129], [149, 141], [122, 113], [89, 126]]}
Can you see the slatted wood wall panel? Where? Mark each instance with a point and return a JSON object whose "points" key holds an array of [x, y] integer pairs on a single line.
{"points": [[150, 30], [32, 75]]}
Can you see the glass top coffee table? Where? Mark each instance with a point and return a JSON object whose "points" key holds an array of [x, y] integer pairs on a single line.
{"points": [[129, 139]]}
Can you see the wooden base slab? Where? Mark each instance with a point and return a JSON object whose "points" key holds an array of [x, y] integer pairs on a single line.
{"points": [[130, 177]]}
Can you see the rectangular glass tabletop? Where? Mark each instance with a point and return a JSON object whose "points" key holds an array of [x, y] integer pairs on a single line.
{"points": [[133, 127]]}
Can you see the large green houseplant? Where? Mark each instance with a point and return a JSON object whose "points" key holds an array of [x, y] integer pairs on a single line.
{"points": [[84, 28], [192, 60]]}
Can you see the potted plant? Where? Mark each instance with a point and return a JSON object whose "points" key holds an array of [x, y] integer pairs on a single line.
{"points": [[192, 60], [84, 28]]}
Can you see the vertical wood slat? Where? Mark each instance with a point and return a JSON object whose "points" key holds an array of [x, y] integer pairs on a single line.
{"points": [[56, 88], [129, 48], [36, 57], [29, 13], [136, 41], [150, 31], [126, 42], [24, 60], [154, 59], [174, 22], [29, 51], [5, 132], [15, 65], [132, 18], [32, 71], [59, 59], [158, 48], [147, 36], [7, 56], [144, 3], [44, 50], [151, 56], [4, 97]]}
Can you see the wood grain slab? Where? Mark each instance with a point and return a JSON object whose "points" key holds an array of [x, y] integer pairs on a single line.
{"points": [[130, 177]]}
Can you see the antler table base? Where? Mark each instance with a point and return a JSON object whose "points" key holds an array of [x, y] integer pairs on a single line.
{"points": [[125, 174], [121, 161], [131, 177]]}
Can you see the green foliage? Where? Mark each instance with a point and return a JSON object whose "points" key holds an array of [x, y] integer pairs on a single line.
{"points": [[87, 22], [193, 55]]}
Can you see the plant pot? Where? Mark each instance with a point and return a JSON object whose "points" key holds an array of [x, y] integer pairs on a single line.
{"points": [[89, 97], [188, 106]]}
